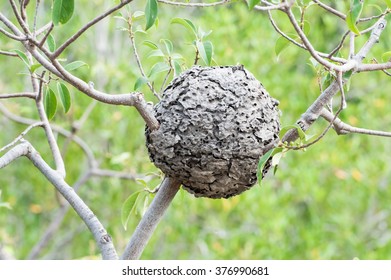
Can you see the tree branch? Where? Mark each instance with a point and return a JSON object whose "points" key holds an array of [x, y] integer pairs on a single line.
{"points": [[315, 110], [103, 239], [151, 218], [87, 26], [31, 95], [343, 128]]}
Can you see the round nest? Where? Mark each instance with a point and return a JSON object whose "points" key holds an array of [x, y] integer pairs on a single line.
{"points": [[214, 122]]}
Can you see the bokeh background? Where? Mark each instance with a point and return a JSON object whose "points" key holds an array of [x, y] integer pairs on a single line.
{"points": [[329, 202]]}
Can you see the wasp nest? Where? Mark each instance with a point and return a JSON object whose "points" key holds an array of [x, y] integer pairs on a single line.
{"points": [[214, 122]]}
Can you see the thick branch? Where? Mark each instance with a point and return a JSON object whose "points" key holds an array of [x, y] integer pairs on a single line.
{"points": [[103, 239], [151, 218]]}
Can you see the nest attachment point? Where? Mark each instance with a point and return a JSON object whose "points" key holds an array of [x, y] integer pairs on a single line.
{"points": [[214, 122]]}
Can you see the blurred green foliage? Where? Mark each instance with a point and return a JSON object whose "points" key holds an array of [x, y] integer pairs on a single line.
{"points": [[330, 202]]}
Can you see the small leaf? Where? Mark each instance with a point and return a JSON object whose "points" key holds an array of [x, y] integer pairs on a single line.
{"points": [[281, 44], [156, 53], [23, 57], [75, 65], [51, 43], [34, 67], [169, 46], [50, 103], [252, 3], [306, 27], [353, 15], [261, 165], [151, 11], [140, 82], [137, 15], [128, 208], [202, 34], [150, 44], [158, 68], [386, 56], [65, 96], [188, 24], [177, 68], [327, 80], [145, 205], [62, 11], [205, 50]]}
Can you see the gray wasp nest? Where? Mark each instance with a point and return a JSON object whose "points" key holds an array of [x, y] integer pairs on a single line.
{"points": [[214, 122]]}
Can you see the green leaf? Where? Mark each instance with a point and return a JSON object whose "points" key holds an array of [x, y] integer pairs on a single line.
{"points": [[155, 53], [75, 65], [252, 3], [50, 103], [145, 205], [150, 44], [151, 11], [128, 208], [306, 27], [137, 15], [158, 68], [62, 11], [51, 43], [23, 57], [261, 165], [281, 44], [169, 46], [188, 24], [140, 82], [388, 2], [203, 34], [177, 68], [34, 67], [354, 14], [386, 56], [327, 80], [65, 96], [205, 50]]}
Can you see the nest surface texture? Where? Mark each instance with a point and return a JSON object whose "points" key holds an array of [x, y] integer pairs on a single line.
{"points": [[214, 122]]}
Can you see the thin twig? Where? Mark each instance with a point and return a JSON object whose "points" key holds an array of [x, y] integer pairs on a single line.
{"points": [[31, 95], [349, 65], [12, 36], [315, 110], [343, 128], [83, 145], [137, 57], [35, 16], [279, 31], [331, 10], [340, 44], [80, 32], [21, 22], [8, 53], [21, 136]]}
